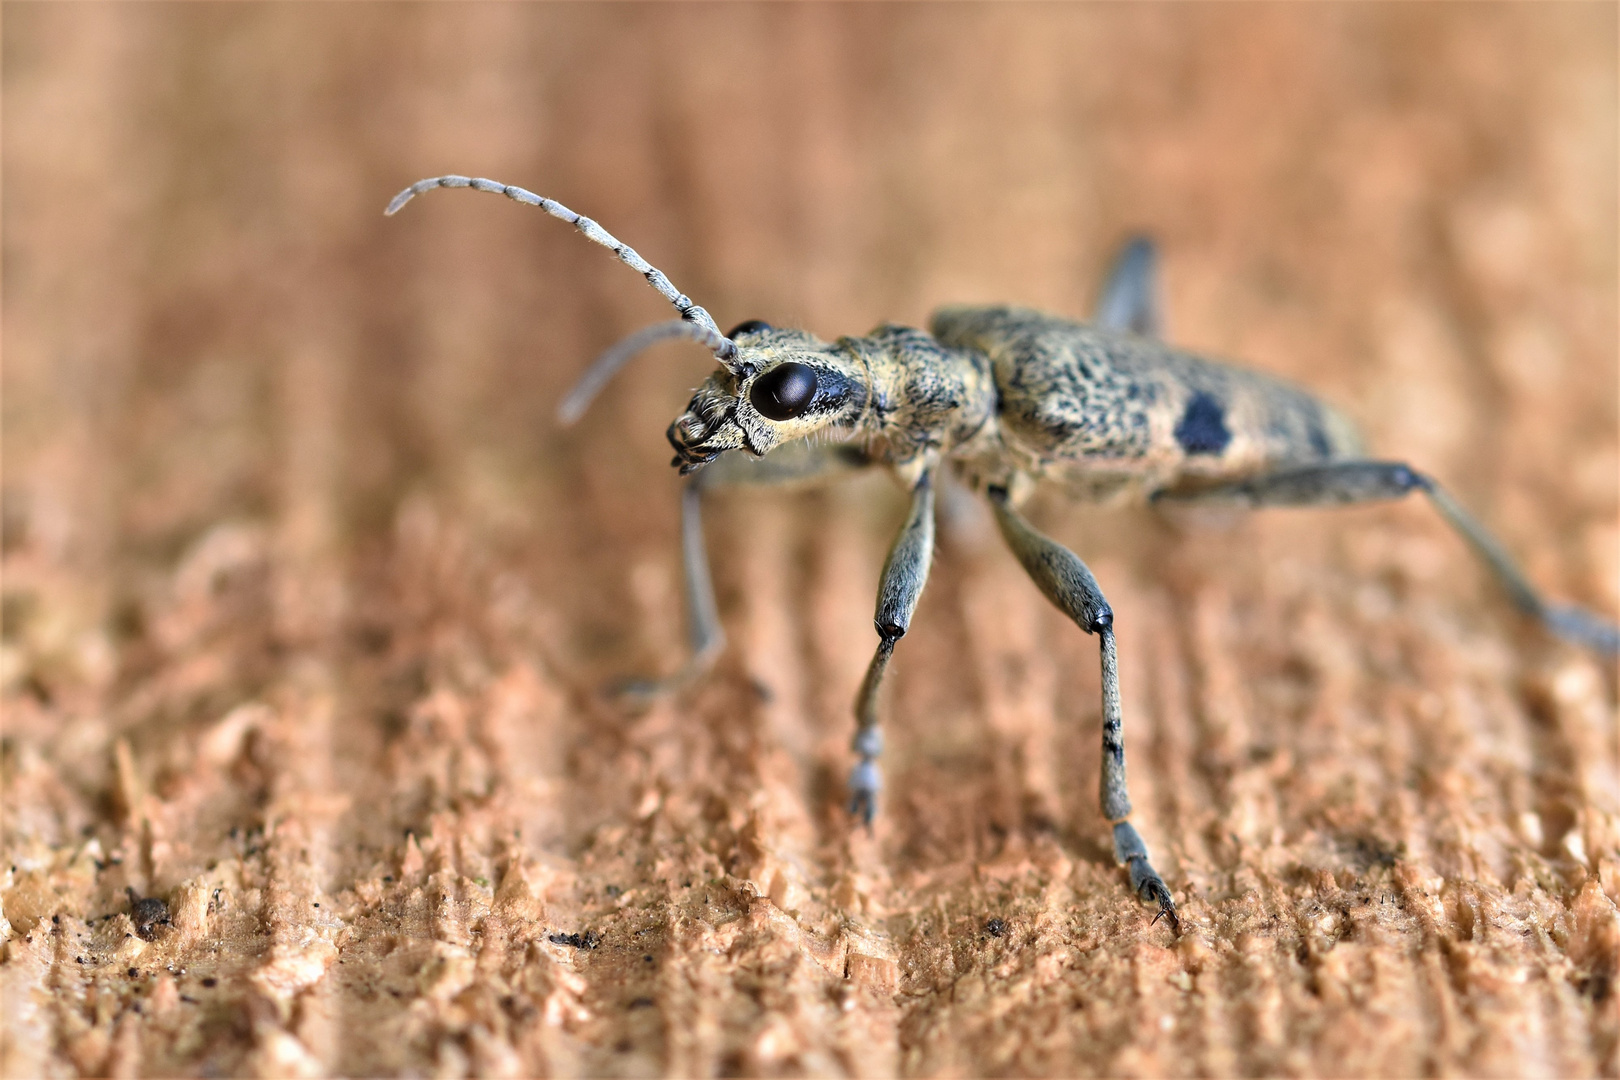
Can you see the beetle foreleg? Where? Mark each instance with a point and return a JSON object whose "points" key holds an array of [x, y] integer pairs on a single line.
{"points": [[904, 574], [1371, 481], [702, 613], [1069, 584], [703, 628]]}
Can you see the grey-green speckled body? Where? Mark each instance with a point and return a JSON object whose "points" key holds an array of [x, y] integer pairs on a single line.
{"points": [[1011, 396]]}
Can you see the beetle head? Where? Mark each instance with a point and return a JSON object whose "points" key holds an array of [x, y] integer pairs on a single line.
{"points": [[781, 385]]}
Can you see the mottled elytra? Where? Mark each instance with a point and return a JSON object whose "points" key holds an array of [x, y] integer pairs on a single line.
{"points": [[1004, 398], [785, 391]]}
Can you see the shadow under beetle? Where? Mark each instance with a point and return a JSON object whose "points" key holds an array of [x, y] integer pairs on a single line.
{"points": [[1007, 397]]}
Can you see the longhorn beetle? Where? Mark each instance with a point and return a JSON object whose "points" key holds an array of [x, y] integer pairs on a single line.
{"points": [[1007, 397]]}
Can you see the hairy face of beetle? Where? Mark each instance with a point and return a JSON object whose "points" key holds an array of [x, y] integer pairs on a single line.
{"points": [[783, 385]]}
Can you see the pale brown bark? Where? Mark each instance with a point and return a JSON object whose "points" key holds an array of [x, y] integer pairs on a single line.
{"points": [[308, 605]]}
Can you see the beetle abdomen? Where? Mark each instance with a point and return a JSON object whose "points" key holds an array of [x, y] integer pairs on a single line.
{"points": [[1078, 404]]}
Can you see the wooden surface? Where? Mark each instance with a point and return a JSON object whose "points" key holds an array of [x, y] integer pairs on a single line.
{"points": [[307, 602]]}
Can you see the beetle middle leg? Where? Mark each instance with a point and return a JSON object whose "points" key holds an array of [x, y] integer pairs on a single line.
{"points": [[904, 574], [1345, 482], [1069, 584]]}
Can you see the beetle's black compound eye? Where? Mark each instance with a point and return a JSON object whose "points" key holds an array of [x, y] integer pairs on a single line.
{"points": [[785, 391], [752, 326]]}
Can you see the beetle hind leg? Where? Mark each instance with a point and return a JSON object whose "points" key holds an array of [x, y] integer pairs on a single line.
{"points": [[1345, 482], [1069, 584]]}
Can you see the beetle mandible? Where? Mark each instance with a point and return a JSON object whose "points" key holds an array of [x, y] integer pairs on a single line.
{"points": [[1007, 397]]}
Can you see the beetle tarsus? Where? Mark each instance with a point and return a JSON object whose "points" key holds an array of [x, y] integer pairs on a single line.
{"points": [[1153, 890], [865, 781]]}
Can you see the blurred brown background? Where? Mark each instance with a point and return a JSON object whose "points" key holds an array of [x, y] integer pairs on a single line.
{"points": [[308, 602]]}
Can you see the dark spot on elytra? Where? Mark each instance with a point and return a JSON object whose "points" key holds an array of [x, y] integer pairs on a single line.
{"points": [[1202, 429]]}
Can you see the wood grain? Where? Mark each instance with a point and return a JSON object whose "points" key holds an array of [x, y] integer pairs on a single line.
{"points": [[308, 605]]}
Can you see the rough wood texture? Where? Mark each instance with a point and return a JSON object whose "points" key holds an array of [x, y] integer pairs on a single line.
{"points": [[307, 603]]}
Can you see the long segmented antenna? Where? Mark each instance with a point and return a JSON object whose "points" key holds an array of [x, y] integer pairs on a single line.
{"points": [[620, 353], [722, 346]]}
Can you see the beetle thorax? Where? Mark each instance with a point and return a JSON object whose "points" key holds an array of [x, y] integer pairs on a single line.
{"points": [[926, 398]]}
